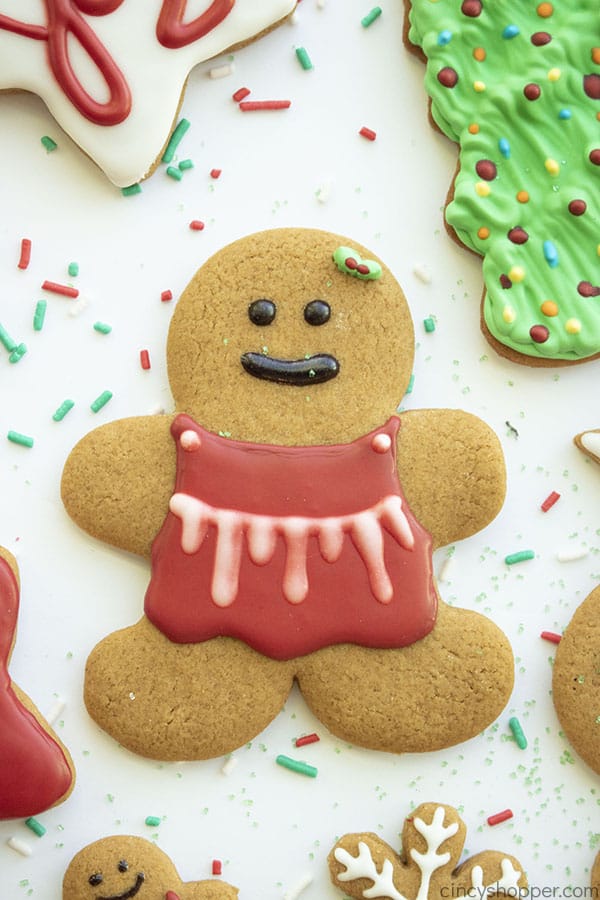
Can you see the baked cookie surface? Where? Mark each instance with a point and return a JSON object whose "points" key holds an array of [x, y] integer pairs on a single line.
{"points": [[290, 517]]}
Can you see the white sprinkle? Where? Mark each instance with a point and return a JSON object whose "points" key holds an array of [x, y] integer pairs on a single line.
{"points": [[422, 273], [323, 192], [20, 846], [55, 711], [571, 555], [296, 891], [221, 71], [229, 765], [132, 696], [447, 569], [320, 4], [75, 308], [156, 410]]}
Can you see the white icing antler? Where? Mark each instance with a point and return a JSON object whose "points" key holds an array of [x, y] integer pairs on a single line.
{"points": [[435, 834], [508, 880], [363, 866]]}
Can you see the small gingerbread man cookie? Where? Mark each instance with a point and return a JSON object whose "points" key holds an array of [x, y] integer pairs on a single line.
{"points": [[122, 866], [576, 680], [36, 771], [290, 515], [363, 865]]}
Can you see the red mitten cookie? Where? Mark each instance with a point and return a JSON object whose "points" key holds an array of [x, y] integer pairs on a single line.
{"points": [[291, 516], [36, 771]]}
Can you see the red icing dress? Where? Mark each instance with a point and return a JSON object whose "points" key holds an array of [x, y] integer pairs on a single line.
{"points": [[290, 549], [34, 773]]}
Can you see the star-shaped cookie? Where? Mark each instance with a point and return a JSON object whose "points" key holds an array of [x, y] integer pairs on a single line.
{"points": [[113, 73], [589, 443]]}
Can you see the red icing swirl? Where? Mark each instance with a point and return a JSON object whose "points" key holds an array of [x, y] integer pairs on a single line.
{"points": [[64, 19], [173, 32]]}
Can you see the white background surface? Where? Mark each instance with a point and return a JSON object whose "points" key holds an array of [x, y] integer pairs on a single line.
{"points": [[269, 826]]}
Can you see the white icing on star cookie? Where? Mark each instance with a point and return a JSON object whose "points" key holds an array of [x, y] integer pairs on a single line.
{"points": [[589, 442], [112, 72]]}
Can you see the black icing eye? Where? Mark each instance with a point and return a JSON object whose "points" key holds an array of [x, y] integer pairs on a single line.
{"points": [[262, 312], [317, 312], [95, 879], [123, 865]]}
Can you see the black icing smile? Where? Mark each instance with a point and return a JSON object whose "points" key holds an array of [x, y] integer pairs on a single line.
{"points": [[301, 372], [129, 893]]}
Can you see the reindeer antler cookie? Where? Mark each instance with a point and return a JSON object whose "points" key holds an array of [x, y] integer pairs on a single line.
{"points": [[363, 865], [123, 866]]}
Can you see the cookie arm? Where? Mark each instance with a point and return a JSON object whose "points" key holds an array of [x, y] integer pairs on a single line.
{"points": [[451, 468], [117, 481]]}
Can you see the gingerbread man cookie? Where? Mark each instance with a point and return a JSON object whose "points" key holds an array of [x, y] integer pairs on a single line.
{"points": [[576, 680], [517, 86], [36, 771], [122, 866], [113, 73], [363, 865], [290, 515]]}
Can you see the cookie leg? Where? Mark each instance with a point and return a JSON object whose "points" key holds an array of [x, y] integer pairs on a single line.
{"points": [[442, 690], [182, 701]]}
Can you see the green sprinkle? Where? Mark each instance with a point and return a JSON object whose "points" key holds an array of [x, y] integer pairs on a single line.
{"points": [[186, 164], [429, 324], [39, 315], [371, 17], [521, 556], [296, 766], [18, 353], [48, 143], [35, 826], [131, 190], [174, 172], [65, 407], [176, 137], [102, 327], [152, 821], [6, 340], [411, 384], [73, 269], [17, 438], [303, 58], [519, 736], [101, 401]]}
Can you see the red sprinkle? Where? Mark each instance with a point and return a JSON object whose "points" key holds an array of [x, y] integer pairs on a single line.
{"points": [[500, 817], [171, 895], [166, 296], [367, 133], [307, 739], [251, 105], [63, 289], [550, 501], [214, 173], [551, 636], [144, 359], [25, 254], [240, 94], [217, 867], [197, 225]]}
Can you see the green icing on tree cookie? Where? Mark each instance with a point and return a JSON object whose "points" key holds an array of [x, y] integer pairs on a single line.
{"points": [[517, 85]]}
